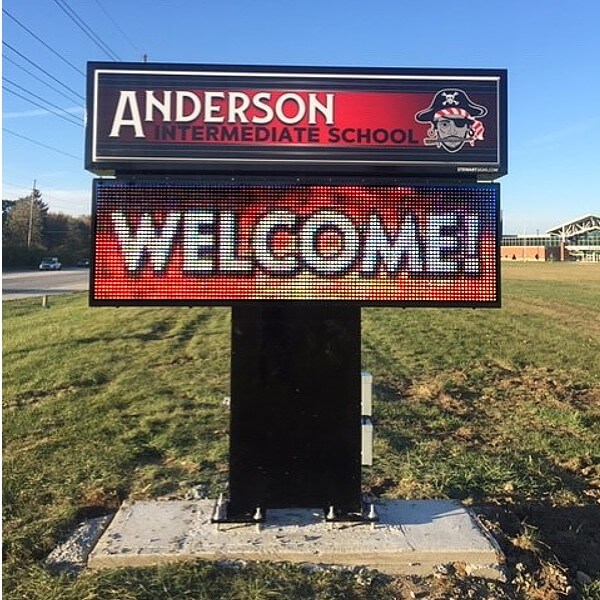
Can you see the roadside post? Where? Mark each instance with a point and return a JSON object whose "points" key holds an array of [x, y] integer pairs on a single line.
{"points": [[296, 196]]}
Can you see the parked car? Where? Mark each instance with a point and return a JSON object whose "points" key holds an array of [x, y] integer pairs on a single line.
{"points": [[84, 263], [50, 264]]}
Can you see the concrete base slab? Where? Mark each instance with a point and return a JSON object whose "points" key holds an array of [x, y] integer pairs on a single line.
{"points": [[411, 537]]}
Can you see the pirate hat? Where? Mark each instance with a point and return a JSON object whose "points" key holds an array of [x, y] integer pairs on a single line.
{"points": [[451, 99]]}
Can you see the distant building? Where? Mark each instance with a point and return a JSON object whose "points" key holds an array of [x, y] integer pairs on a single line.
{"points": [[576, 240]]}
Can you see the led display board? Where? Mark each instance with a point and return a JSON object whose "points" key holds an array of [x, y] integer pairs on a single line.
{"points": [[169, 118], [203, 243]]}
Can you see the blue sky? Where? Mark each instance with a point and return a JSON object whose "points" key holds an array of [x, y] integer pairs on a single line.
{"points": [[550, 48]]}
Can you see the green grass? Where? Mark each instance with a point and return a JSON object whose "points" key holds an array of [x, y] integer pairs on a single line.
{"points": [[496, 407], [474, 403], [205, 581]]}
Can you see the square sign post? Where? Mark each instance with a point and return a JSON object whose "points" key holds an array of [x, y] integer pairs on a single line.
{"points": [[295, 409], [295, 196]]}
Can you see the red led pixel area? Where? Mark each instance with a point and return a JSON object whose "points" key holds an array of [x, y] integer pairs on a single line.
{"points": [[201, 243]]}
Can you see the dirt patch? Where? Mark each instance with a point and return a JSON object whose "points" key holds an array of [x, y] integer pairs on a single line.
{"points": [[551, 554]]}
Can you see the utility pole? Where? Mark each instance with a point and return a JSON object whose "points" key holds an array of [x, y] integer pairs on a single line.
{"points": [[31, 215]]}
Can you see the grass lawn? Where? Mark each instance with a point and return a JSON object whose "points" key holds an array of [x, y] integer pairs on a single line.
{"points": [[500, 408]]}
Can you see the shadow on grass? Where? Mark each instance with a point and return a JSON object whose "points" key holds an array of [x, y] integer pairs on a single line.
{"points": [[528, 532], [157, 330]]}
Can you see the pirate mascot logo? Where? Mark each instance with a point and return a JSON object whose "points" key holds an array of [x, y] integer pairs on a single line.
{"points": [[454, 120]]}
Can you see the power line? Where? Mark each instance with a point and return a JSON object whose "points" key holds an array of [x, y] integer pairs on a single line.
{"points": [[89, 32], [43, 70], [41, 41], [117, 26], [20, 87], [40, 144], [31, 74], [57, 114]]}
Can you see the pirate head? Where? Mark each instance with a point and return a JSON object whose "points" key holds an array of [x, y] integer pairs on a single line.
{"points": [[453, 117]]}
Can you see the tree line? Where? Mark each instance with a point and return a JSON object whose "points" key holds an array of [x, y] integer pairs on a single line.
{"points": [[30, 232]]}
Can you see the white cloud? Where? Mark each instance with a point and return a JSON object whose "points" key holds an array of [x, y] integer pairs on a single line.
{"points": [[71, 202], [25, 114]]}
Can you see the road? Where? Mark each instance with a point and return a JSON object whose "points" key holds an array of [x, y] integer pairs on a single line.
{"points": [[23, 284]]}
